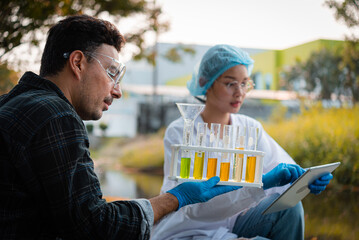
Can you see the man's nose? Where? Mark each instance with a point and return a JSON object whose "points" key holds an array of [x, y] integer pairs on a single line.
{"points": [[116, 91]]}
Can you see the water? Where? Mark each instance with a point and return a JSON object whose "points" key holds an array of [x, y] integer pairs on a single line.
{"points": [[130, 185]]}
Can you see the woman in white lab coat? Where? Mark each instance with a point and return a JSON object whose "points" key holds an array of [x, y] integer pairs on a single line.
{"points": [[223, 80]]}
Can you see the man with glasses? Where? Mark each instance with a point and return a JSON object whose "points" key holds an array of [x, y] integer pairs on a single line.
{"points": [[48, 188]]}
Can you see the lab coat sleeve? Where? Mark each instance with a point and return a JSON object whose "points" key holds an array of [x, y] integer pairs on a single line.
{"points": [[225, 205]]}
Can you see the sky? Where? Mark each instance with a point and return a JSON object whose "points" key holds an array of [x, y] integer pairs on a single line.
{"points": [[268, 24], [263, 24]]}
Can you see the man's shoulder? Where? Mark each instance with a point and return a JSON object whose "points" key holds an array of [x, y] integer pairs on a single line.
{"points": [[38, 102], [34, 108], [27, 114]]}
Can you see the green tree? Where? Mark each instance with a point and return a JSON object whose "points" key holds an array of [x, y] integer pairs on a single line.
{"points": [[22, 21], [320, 72], [347, 11], [103, 126], [89, 128]]}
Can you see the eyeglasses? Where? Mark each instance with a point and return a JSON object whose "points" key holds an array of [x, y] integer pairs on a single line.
{"points": [[115, 71], [235, 85]]}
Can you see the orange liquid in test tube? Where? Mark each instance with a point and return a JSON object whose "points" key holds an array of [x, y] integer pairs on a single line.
{"points": [[213, 156], [211, 167], [251, 168], [224, 173], [251, 160]]}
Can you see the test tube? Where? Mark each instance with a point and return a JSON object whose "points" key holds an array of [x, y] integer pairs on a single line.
{"points": [[251, 159], [225, 161], [186, 154], [213, 156], [238, 159], [199, 155]]}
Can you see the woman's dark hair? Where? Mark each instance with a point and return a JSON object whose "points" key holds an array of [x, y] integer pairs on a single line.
{"points": [[80, 32]]}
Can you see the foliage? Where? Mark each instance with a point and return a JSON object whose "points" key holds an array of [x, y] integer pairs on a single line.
{"points": [[332, 72], [89, 128], [8, 78], [153, 14], [347, 11], [103, 126], [323, 211], [321, 73], [147, 153], [350, 62], [22, 20], [319, 136], [173, 53]]}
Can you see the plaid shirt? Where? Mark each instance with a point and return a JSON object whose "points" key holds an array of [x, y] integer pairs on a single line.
{"points": [[48, 187]]}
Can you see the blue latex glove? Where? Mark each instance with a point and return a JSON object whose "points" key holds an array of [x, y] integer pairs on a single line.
{"points": [[195, 192], [281, 175], [320, 184]]}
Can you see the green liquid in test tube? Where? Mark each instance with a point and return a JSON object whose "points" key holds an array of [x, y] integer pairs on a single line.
{"points": [[186, 154], [185, 167]]}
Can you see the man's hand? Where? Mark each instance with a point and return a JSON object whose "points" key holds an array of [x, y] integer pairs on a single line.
{"points": [[281, 175], [195, 192], [320, 184]]}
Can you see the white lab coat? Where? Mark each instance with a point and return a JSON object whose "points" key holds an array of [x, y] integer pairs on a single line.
{"points": [[215, 219]]}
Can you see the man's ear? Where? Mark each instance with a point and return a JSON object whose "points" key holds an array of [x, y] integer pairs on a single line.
{"points": [[77, 60]]}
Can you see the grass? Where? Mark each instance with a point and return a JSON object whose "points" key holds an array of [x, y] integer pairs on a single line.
{"points": [[332, 215], [146, 153], [319, 136]]}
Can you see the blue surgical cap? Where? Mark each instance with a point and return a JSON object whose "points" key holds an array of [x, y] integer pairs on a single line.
{"points": [[214, 63]]}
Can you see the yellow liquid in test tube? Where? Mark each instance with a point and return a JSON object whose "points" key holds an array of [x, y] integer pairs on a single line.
{"points": [[185, 167], [238, 166], [224, 173], [211, 167], [198, 165], [251, 168]]}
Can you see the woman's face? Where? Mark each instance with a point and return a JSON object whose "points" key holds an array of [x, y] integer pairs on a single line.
{"points": [[227, 93]]}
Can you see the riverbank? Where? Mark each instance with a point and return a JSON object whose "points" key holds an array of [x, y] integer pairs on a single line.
{"points": [[141, 154]]}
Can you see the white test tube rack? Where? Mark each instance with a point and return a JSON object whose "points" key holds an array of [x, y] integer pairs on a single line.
{"points": [[259, 165]]}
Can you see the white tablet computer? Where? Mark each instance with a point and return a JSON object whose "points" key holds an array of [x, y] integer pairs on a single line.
{"points": [[299, 188]]}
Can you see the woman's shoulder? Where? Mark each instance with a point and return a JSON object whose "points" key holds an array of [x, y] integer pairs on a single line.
{"points": [[176, 125], [245, 120]]}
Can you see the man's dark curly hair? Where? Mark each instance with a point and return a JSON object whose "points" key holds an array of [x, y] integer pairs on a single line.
{"points": [[80, 32]]}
